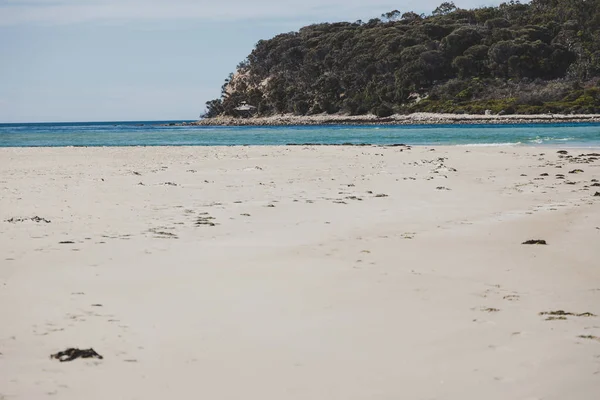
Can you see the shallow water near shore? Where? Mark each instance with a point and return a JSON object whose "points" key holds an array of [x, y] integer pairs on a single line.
{"points": [[158, 133]]}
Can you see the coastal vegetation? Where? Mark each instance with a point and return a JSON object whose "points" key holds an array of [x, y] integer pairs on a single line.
{"points": [[516, 58]]}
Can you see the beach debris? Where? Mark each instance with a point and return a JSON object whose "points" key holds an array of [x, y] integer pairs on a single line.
{"points": [[34, 219], [442, 188], [570, 183], [523, 174], [354, 198], [170, 184], [72, 354], [162, 234], [536, 241], [490, 310], [597, 194], [205, 220], [590, 337], [381, 195], [562, 152], [136, 173], [544, 174], [66, 242], [245, 215], [563, 313], [576, 171], [398, 145]]}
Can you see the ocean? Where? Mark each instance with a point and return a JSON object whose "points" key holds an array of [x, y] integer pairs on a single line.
{"points": [[154, 133]]}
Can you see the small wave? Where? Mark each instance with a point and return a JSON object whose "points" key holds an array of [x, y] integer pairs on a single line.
{"points": [[489, 144], [540, 140]]}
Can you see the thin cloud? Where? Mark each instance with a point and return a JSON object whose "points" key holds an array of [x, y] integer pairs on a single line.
{"points": [[15, 12]]}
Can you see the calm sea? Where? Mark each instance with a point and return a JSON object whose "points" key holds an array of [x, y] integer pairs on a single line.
{"points": [[152, 133]]}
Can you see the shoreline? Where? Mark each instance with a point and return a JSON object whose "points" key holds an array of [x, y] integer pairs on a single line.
{"points": [[396, 119]]}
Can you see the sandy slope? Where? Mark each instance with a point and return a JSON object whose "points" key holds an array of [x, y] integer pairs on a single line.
{"points": [[309, 285]]}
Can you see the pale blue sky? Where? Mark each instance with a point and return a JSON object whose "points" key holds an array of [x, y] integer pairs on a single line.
{"points": [[112, 60]]}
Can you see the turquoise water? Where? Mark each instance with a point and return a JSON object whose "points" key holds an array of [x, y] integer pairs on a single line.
{"points": [[146, 133]]}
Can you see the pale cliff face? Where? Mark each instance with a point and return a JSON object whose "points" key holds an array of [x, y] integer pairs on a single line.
{"points": [[240, 79]]}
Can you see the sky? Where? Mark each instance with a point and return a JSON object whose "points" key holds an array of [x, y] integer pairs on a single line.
{"points": [[142, 60]]}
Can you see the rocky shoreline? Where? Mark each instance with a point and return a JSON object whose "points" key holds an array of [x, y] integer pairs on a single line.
{"points": [[411, 119]]}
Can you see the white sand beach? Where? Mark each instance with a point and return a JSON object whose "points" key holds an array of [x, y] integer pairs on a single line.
{"points": [[321, 273]]}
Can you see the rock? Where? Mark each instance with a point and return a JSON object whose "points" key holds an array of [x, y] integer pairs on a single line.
{"points": [[536, 241], [597, 194], [544, 174], [576, 171], [562, 152], [72, 354]]}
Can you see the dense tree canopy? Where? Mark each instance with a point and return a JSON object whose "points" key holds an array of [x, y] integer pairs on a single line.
{"points": [[543, 56]]}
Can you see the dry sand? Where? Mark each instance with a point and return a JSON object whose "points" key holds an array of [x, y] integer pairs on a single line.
{"points": [[285, 273]]}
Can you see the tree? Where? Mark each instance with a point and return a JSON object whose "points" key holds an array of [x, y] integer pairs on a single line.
{"points": [[391, 16], [460, 40], [480, 58], [411, 17], [444, 8]]}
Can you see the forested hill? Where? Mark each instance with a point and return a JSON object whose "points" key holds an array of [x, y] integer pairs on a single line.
{"points": [[538, 57]]}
